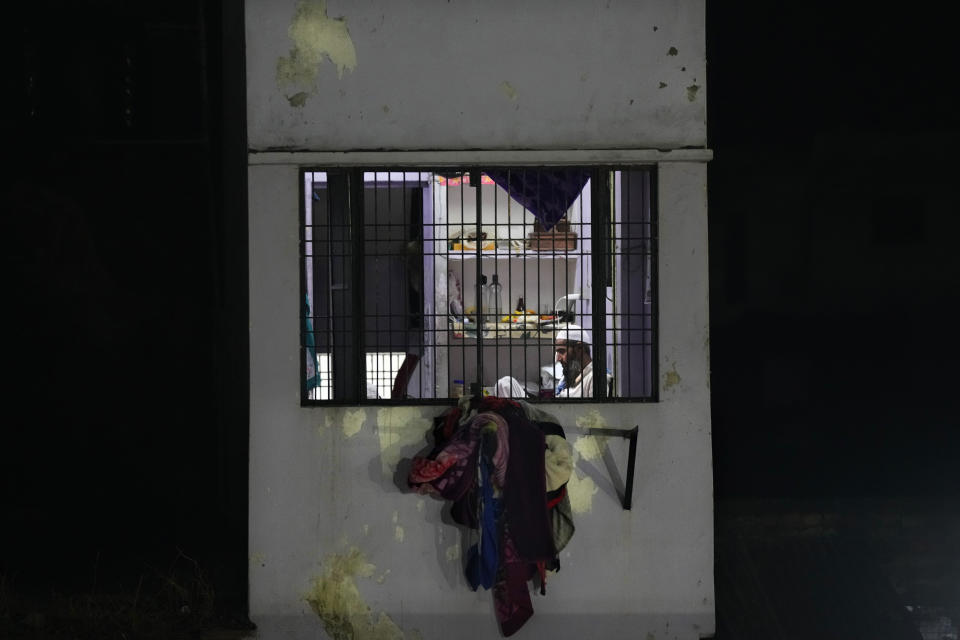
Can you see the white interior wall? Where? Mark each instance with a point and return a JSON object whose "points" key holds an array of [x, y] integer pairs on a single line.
{"points": [[329, 514]]}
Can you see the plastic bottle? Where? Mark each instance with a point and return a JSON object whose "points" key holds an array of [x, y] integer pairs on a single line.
{"points": [[457, 388], [496, 299]]}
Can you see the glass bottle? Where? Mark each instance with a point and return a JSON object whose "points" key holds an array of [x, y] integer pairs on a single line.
{"points": [[483, 308], [496, 299]]}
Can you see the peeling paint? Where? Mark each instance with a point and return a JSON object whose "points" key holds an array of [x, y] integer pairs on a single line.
{"points": [[453, 553], [663, 85], [335, 599], [421, 505], [581, 489], [353, 422], [315, 36], [399, 427], [692, 92], [366, 529], [298, 99], [593, 419], [258, 558], [508, 90], [671, 378], [383, 576], [398, 532], [672, 51], [590, 447]]}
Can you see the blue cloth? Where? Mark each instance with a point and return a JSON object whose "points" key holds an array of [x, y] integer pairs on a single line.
{"points": [[483, 558], [312, 375]]}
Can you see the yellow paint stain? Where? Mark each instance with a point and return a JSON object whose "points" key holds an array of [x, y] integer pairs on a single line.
{"points": [[592, 419], [315, 37], [671, 378], [258, 558], [353, 421], [508, 90], [453, 552], [397, 429], [335, 599], [396, 517], [398, 533], [590, 447], [581, 490]]}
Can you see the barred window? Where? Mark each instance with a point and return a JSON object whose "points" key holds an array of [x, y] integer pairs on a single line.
{"points": [[420, 286]]}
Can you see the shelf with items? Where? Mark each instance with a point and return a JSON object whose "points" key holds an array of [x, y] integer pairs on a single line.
{"points": [[524, 254], [467, 329]]}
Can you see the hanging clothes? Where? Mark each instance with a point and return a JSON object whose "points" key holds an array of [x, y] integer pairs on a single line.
{"points": [[506, 472]]}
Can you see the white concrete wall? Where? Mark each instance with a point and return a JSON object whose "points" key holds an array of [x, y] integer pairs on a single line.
{"points": [[476, 74], [328, 514]]}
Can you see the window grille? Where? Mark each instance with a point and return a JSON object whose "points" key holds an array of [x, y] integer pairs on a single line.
{"points": [[420, 285]]}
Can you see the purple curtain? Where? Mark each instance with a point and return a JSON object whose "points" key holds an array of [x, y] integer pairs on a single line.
{"points": [[546, 193]]}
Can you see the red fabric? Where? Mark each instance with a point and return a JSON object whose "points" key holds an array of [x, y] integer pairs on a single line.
{"points": [[426, 470], [450, 423], [558, 499]]}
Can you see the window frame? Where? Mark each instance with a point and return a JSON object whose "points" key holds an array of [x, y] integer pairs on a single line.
{"points": [[599, 276]]}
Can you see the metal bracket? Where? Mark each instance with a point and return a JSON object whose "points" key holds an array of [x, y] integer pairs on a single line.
{"points": [[631, 457]]}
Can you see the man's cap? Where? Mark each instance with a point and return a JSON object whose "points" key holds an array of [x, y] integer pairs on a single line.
{"points": [[573, 333]]}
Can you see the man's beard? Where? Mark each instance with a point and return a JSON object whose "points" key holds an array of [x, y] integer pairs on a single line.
{"points": [[571, 371]]}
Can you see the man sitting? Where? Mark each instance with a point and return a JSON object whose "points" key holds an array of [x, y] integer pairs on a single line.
{"points": [[572, 348]]}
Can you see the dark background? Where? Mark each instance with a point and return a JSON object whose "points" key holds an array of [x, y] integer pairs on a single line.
{"points": [[833, 227], [124, 463], [833, 223]]}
